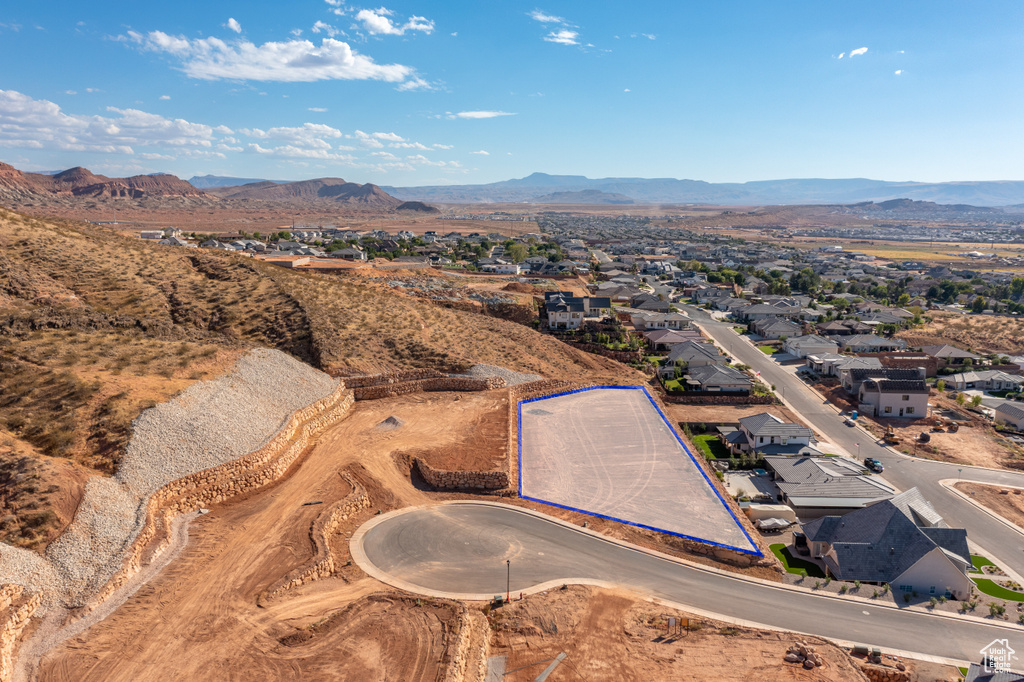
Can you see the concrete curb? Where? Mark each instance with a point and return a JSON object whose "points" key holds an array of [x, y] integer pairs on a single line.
{"points": [[359, 556]]}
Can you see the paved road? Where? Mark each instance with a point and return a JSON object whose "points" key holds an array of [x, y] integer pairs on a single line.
{"points": [[1001, 543], [462, 547]]}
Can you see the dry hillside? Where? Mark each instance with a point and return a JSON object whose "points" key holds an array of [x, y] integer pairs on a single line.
{"points": [[95, 327]]}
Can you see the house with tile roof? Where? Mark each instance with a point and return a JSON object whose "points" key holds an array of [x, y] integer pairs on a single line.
{"points": [[901, 541]]}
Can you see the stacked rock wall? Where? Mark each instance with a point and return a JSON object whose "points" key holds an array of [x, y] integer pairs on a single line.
{"points": [[443, 383], [326, 524], [462, 480], [14, 616], [459, 647], [223, 482], [390, 378]]}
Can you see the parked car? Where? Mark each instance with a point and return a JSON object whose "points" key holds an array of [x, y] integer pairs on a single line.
{"points": [[873, 464], [849, 422], [800, 544]]}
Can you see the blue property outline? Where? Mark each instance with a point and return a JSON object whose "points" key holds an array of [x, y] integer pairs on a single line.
{"points": [[756, 552]]}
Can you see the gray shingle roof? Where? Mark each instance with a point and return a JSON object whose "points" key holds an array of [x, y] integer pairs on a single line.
{"points": [[766, 424], [896, 385], [718, 374], [880, 542], [1011, 411]]}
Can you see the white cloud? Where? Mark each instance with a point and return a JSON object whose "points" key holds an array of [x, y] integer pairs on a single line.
{"points": [[368, 140], [627, 90], [544, 18], [319, 110], [70, 92], [290, 61], [307, 136], [480, 114], [563, 37], [414, 83], [165, 97], [409, 145], [291, 151], [649, 36], [323, 27], [858, 51], [898, 72], [841, 55], [296, 32], [234, 25], [442, 146], [901, 52], [378, 22], [481, 153], [40, 124]]}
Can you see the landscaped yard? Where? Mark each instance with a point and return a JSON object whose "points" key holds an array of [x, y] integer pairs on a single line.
{"points": [[980, 561], [795, 565], [673, 385], [996, 590], [711, 446], [767, 350]]}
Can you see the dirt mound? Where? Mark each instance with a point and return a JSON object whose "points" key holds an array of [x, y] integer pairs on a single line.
{"points": [[390, 424], [521, 288]]}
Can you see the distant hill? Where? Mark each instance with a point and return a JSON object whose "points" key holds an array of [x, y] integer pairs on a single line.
{"points": [[586, 196], [417, 206], [81, 182], [208, 181], [762, 192], [323, 189]]}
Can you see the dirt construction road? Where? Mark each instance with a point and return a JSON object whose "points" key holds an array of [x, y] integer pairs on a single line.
{"points": [[199, 619]]}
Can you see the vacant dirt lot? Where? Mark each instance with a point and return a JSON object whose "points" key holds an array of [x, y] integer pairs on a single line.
{"points": [[610, 635], [724, 414], [978, 333], [1010, 506]]}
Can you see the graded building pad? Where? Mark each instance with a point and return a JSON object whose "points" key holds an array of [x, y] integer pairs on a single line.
{"points": [[610, 452]]}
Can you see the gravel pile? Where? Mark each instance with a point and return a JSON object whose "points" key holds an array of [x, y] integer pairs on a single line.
{"points": [[390, 424], [214, 422], [511, 378], [210, 423]]}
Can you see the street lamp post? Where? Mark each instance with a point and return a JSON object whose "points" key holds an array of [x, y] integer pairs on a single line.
{"points": [[508, 579]]}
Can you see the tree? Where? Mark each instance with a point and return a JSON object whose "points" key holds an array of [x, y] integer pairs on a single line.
{"points": [[960, 400], [903, 300], [1017, 286], [975, 401], [978, 305], [940, 385], [517, 252]]}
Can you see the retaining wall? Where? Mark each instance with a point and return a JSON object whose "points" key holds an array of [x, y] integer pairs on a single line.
{"points": [[456, 670], [13, 619], [443, 383], [220, 483], [461, 480], [324, 526]]}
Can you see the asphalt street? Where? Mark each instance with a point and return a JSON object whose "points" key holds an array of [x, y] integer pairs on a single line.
{"points": [[461, 548], [1001, 543]]}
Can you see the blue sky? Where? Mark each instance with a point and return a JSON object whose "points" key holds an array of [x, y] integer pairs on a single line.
{"points": [[414, 93]]}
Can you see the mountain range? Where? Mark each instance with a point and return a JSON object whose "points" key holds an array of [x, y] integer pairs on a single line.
{"points": [[539, 188], [17, 187]]}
